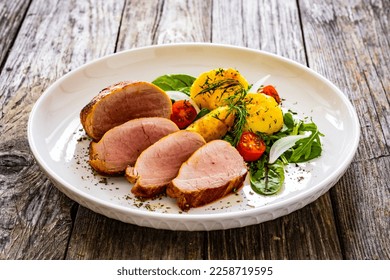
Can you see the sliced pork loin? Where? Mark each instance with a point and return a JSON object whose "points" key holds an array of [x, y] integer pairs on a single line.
{"points": [[212, 172], [122, 102], [160, 163], [121, 145]]}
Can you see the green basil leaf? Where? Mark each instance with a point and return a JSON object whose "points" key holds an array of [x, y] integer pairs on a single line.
{"points": [[176, 82], [267, 179]]}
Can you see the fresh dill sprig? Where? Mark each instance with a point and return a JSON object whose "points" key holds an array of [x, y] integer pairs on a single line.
{"points": [[223, 84], [237, 105], [235, 101]]}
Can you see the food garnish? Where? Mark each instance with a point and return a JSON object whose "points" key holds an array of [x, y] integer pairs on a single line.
{"points": [[264, 114], [215, 124], [271, 91], [278, 137], [282, 145], [251, 147], [265, 178], [211, 89], [175, 82], [183, 113], [220, 104]]}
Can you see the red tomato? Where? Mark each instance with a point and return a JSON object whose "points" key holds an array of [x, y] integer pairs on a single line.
{"points": [[183, 113], [271, 91], [251, 147]]}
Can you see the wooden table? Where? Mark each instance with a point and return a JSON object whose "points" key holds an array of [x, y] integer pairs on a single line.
{"points": [[345, 41]]}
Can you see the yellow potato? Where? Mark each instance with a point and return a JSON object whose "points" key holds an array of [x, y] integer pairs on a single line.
{"points": [[264, 114], [211, 88], [215, 124]]}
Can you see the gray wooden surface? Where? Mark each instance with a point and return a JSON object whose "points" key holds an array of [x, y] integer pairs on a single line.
{"points": [[346, 41]]}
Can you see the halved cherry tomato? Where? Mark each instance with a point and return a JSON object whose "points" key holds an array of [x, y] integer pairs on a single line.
{"points": [[183, 113], [271, 91], [251, 147]]}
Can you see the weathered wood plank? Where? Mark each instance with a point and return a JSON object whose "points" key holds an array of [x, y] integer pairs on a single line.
{"points": [[55, 37], [362, 207], [304, 234], [168, 21], [11, 17], [348, 42], [98, 237], [309, 233]]}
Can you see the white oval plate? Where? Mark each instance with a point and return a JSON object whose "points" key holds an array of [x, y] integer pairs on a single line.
{"points": [[60, 147]]}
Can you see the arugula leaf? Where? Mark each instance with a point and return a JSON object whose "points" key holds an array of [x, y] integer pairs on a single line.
{"points": [[288, 120], [265, 178], [307, 148], [283, 144], [177, 82]]}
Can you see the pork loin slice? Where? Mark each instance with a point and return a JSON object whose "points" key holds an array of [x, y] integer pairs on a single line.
{"points": [[122, 102], [121, 145], [160, 163], [212, 172]]}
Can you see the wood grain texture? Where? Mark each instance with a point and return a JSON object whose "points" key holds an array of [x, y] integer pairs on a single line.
{"points": [[11, 17], [98, 237], [348, 43], [362, 209], [153, 22], [304, 234], [55, 37]]}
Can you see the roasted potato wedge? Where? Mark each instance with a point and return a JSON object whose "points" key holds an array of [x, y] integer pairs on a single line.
{"points": [[215, 124], [211, 89], [264, 114]]}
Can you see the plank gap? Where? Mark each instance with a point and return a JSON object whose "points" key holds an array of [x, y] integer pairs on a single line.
{"points": [[337, 223], [160, 9], [302, 34], [119, 26], [5, 58], [73, 214], [211, 21]]}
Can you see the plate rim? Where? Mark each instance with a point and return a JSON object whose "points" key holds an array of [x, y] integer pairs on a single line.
{"points": [[184, 218]]}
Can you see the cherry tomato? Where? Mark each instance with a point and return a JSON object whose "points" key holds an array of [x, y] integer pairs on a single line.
{"points": [[183, 113], [271, 91], [251, 147]]}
